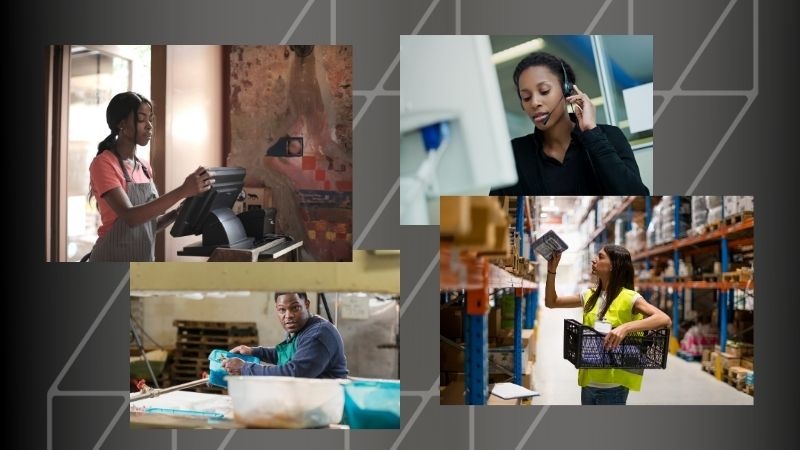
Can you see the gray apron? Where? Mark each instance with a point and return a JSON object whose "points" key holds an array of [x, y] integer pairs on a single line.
{"points": [[123, 243]]}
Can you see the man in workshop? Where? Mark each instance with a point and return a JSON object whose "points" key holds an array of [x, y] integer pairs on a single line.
{"points": [[313, 347]]}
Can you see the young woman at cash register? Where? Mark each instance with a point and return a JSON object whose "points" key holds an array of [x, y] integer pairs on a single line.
{"points": [[131, 210]]}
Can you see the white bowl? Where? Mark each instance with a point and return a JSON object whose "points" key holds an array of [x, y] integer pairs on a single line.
{"points": [[286, 402]]}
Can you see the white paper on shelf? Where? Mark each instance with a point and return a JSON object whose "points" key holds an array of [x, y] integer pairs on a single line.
{"points": [[508, 391]]}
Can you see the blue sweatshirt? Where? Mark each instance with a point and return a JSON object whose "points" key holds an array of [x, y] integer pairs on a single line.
{"points": [[319, 353]]}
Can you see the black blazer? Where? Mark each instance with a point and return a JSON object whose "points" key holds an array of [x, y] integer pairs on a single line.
{"points": [[606, 165]]}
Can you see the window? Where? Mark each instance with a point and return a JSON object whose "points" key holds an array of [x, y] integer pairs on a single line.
{"points": [[96, 74]]}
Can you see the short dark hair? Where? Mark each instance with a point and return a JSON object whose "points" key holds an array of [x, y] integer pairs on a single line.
{"points": [[301, 295], [548, 60]]}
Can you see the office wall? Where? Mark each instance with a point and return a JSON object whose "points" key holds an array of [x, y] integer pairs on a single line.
{"points": [[193, 120], [644, 159], [281, 94]]}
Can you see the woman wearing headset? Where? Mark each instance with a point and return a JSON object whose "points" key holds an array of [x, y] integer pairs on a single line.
{"points": [[567, 154]]}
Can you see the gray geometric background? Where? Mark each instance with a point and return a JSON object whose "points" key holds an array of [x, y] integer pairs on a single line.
{"points": [[725, 109]]}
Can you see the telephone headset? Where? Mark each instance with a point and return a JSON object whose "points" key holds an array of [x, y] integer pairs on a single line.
{"points": [[567, 89]]}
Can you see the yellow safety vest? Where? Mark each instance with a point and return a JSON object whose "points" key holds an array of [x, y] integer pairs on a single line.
{"points": [[620, 311]]}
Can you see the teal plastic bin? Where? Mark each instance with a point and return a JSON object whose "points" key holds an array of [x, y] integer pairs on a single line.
{"points": [[217, 373], [372, 403]]}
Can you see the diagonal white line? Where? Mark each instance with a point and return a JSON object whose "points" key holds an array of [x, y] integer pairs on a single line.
{"points": [[377, 214], [413, 294], [371, 96], [425, 17], [719, 146], [700, 50], [53, 390], [688, 69], [597, 17], [432, 392], [333, 21], [227, 439], [90, 332], [750, 99], [296, 22], [533, 426], [113, 423]]}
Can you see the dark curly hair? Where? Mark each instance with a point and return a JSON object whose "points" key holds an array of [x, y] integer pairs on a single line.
{"points": [[548, 60]]}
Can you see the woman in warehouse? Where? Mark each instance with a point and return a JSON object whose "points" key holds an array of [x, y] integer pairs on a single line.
{"points": [[131, 211], [626, 312], [567, 154]]}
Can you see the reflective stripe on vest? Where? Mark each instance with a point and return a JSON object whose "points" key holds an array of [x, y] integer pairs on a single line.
{"points": [[620, 311]]}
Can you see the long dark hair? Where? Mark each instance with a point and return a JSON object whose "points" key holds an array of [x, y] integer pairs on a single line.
{"points": [[621, 277]]}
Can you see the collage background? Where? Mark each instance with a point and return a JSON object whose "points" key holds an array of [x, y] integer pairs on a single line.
{"points": [[725, 103]]}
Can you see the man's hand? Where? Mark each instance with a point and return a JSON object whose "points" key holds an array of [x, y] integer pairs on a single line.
{"points": [[243, 349], [233, 366]]}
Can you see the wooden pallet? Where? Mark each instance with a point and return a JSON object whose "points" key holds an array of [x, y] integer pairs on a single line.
{"points": [[711, 277], [748, 389], [215, 340], [215, 328], [711, 227], [737, 276], [737, 218]]}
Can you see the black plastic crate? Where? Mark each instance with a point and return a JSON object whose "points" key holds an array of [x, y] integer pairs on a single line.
{"points": [[583, 347]]}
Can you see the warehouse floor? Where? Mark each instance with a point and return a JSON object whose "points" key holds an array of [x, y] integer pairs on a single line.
{"points": [[681, 383]]}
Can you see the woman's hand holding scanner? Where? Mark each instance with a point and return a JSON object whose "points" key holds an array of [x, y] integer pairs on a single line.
{"points": [[552, 263], [243, 349], [584, 109], [198, 181], [615, 337], [233, 366]]}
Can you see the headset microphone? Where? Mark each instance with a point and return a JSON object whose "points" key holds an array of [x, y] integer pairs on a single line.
{"points": [[566, 89]]}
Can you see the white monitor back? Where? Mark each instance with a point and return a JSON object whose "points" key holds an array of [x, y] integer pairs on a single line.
{"points": [[452, 78]]}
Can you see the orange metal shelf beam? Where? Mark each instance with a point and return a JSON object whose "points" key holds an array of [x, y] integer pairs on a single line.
{"points": [[724, 230]]}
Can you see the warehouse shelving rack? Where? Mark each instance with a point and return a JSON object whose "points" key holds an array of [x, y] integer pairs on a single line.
{"points": [[466, 267], [726, 236]]}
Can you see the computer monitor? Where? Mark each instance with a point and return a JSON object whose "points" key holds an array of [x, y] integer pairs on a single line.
{"points": [[450, 79], [211, 213]]}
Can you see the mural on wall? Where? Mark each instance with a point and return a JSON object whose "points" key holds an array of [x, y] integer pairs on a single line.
{"points": [[291, 128]]}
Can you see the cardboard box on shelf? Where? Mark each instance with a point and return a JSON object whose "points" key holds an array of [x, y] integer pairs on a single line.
{"points": [[453, 394], [739, 349], [494, 321], [527, 377], [451, 359], [747, 363], [451, 323]]}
